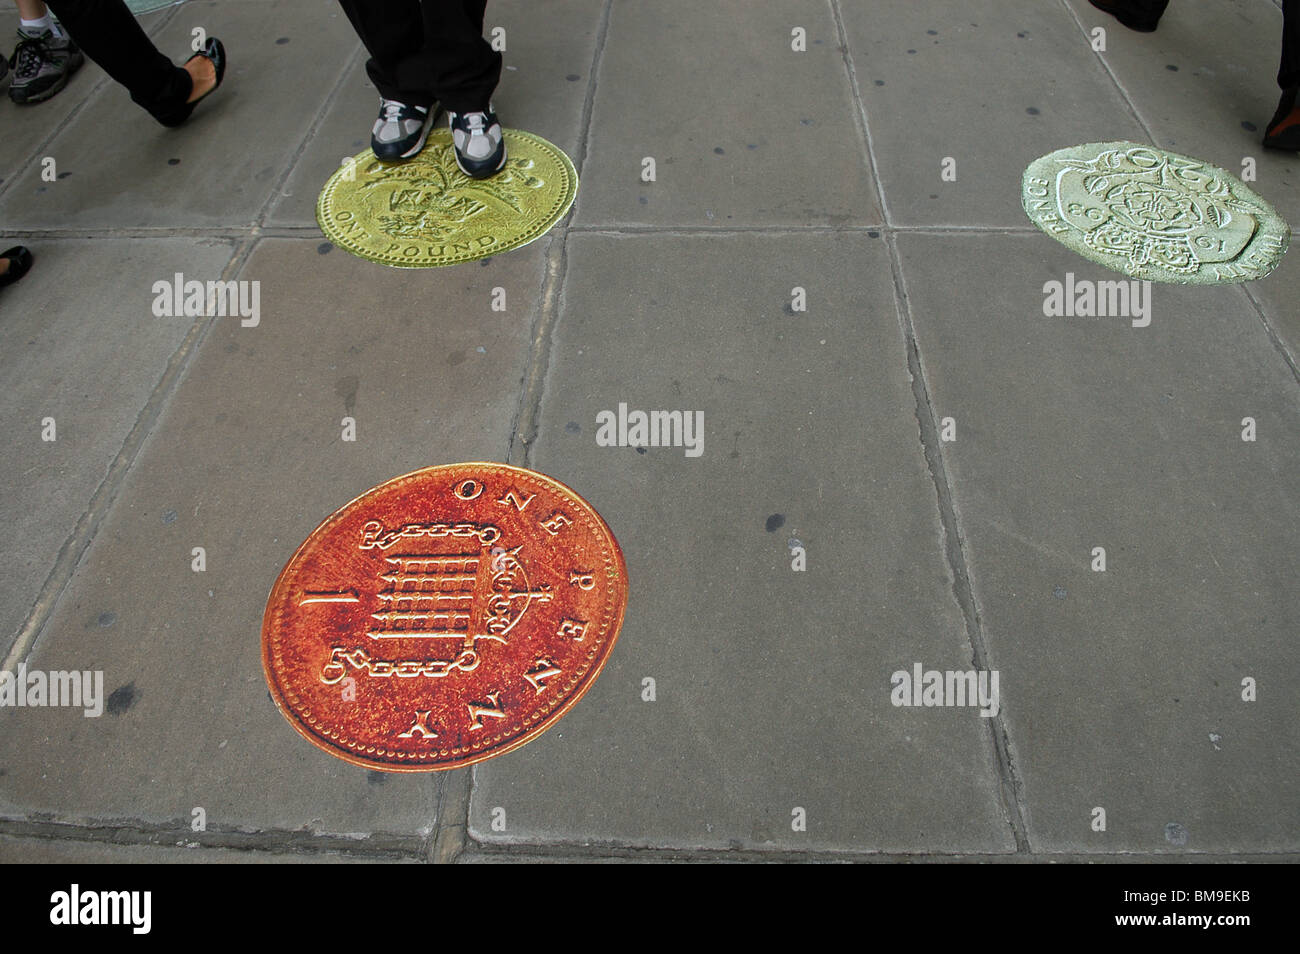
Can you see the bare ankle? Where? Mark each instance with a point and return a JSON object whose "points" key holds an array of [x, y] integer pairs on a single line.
{"points": [[203, 76]]}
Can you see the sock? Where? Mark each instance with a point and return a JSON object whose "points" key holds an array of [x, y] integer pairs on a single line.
{"points": [[39, 26]]}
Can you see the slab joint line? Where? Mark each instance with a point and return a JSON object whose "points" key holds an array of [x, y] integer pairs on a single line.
{"points": [[1269, 330], [1124, 94], [860, 116], [1010, 787], [524, 430], [1008, 782], [312, 129]]}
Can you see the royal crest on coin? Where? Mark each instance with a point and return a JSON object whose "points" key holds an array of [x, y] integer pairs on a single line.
{"points": [[427, 212], [1153, 214]]}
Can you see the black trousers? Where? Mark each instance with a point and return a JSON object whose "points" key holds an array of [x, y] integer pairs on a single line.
{"points": [[108, 33], [1288, 74], [426, 50]]}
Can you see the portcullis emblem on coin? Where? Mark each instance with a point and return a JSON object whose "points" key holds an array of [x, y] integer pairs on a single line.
{"points": [[426, 212], [1154, 215], [444, 617]]}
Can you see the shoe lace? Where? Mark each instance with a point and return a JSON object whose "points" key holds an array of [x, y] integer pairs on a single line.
{"points": [[477, 122], [28, 57], [392, 110]]}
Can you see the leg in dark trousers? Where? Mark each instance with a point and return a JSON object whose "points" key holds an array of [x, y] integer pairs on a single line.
{"points": [[1288, 75], [1143, 15], [422, 50], [1283, 130], [108, 33]]}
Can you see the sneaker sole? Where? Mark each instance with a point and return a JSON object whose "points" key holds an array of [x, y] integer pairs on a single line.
{"points": [[482, 173], [19, 95], [22, 98], [1288, 141]]}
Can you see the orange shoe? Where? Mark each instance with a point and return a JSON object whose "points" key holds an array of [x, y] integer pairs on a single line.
{"points": [[1283, 130]]}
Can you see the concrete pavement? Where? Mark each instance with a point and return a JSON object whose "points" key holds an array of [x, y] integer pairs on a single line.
{"points": [[905, 463]]}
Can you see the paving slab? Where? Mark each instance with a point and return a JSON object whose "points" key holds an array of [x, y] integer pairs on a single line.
{"points": [[248, 458], [549, 49], [988, 84], [772, 686], [1123, 688], [743, 130], [88, 353], [222, 166], [1205, 82]]}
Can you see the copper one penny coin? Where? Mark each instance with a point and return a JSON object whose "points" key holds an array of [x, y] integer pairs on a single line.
{"points": [[445, 617]]}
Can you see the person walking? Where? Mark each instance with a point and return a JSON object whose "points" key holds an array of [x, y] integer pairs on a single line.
{"points": [[107, 32], [1283, 130], [44, 58]]}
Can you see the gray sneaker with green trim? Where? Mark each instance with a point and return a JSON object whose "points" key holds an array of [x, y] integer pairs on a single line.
{"points": [[42, 65]]}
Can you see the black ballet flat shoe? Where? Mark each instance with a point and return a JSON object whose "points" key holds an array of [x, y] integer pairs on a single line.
{"points": [[215, 52], [20, 261]]}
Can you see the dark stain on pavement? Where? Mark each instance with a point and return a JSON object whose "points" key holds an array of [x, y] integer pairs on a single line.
{"points": [[121, 699], [346, 388]]}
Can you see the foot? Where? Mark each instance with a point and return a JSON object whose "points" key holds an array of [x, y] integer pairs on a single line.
{"points": [[1283, 130], [206, 69], [480, 145], [401, 130], [42, 64], [203, 77], [1134, 14], [14, 265]]}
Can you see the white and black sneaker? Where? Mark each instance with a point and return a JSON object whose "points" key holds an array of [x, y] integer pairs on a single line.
{"points": [[401, 129], [480, 146]]}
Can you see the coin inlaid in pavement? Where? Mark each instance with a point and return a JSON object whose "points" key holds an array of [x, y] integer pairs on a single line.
{"points": [[1153, 214], [445, 617], [426, 212]]}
